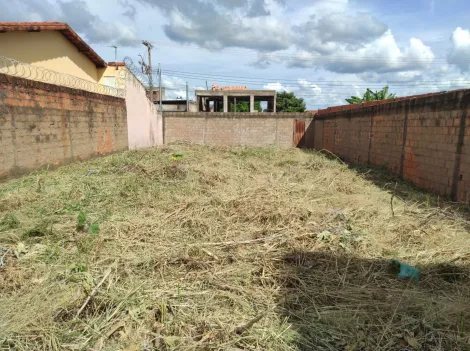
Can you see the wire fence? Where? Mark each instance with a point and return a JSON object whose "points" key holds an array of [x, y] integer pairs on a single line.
{"points": [[24, 70]]}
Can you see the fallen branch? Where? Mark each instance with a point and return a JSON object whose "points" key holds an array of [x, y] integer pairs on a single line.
{"points": [[2, 263], [391, 199], [244, 242], [243, 328], [207, 252], [181, 208], [95, 290]]}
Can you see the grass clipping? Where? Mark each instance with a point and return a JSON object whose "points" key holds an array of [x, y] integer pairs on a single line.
{"points": [[193, 247]]}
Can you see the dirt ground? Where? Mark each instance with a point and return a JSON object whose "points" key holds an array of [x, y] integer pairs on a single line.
{"points": [[200, 248]]}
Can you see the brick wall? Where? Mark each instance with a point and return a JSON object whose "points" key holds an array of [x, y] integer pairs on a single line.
{"points": [[258, 129], [424, 139], [43, 124]]}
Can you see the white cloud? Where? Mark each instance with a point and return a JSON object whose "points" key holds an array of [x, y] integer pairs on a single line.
{"points": [[380, 55], [77, 14], [312, 93], [460, 54], [176, 88], [340, 27]]}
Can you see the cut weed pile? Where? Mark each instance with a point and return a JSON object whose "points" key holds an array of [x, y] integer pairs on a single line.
{"points": [[200, 248]]}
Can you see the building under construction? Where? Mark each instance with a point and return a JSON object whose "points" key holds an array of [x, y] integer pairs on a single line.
{"points": [[225, 99]]}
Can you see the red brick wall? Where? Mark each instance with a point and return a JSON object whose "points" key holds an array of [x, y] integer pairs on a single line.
{"points": [[43, 124], [424, 139], [232, 129]]}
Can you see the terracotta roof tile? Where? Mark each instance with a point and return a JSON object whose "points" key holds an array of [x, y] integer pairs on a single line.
{"points": [[63, 28]]}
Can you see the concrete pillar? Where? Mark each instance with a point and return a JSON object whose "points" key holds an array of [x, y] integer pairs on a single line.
{"points": [[199, 104], [271, 105], [252, 103], [234, 104], [275, 101], [225, 103]]}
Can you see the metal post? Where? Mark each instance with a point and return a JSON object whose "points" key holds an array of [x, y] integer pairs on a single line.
{"points": [[160, 86], [187, 97], [149, 72]]}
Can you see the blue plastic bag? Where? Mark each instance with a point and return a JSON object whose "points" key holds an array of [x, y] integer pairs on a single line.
{"points": [[406, 271]]}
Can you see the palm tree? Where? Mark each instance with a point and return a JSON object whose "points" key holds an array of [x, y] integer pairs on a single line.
{"points": [[369, 95]]}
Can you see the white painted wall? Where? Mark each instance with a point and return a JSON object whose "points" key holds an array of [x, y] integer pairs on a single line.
{"points": [[144, 123]]}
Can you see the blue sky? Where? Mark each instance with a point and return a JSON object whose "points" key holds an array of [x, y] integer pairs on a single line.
{"points": [[322, 50]]}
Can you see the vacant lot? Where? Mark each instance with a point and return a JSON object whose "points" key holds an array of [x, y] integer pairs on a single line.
{"points": [[186, 247]]}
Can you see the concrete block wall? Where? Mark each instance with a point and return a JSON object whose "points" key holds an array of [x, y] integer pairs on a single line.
{"points": [[424, 139], [231, 129], [43, 124]]}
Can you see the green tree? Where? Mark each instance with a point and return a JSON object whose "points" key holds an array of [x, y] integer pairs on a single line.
{"points": [[244, 106], [369, 95], [288, 102]]}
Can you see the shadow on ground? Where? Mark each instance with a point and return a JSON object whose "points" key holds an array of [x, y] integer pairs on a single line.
{"points": [[338, 302]]}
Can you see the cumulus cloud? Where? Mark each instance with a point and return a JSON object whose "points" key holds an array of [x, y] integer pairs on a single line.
{"points": [[380, 55], [334, 39], [312, 93], [76, 14], [460, 54], [79, 17], [175, 88], [339, 28], [210, 25]]}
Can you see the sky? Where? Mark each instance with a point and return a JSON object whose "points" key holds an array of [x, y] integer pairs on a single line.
{"points": [[322, 50]]}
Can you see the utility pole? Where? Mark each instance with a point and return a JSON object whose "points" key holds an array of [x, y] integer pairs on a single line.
{"points": [[160, 86], [187, 97], [149, 68]]}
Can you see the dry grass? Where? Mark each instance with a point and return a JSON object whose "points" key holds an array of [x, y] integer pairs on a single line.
{"points": [[227, 249]]}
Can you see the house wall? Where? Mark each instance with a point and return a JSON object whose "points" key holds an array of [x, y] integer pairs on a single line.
{"points": [[143, 120], [111, 71], [232, 129], [423, 139], [49, 49], [43, 124], [180, 107]]}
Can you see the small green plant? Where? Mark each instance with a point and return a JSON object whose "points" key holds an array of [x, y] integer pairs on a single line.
{"points": [[81, 221], [9, 221], [176, 156], [94, 229], [78, 268], [83, 224]]}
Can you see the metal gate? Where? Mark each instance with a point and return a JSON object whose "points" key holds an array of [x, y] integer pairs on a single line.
{"points": [[299, 133]]}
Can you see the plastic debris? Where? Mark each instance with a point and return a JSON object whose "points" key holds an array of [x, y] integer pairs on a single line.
{"points": [[92, 171], [405, 271]]}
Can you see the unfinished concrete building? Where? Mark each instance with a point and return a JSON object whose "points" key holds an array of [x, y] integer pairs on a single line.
{"points": [[225, 99]]}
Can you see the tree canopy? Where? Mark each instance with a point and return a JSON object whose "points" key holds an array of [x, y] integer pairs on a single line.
{"points": [[288, 102], [369, 95], [244, 106]]}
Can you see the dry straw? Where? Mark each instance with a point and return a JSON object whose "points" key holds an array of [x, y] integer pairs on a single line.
{"points": [[228, 249]]}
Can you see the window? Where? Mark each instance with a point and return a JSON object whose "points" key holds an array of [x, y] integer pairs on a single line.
{"points": [[110, 81]]}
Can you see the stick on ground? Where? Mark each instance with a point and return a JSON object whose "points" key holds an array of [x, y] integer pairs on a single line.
{"points": [[243, 328], [95, 290]]}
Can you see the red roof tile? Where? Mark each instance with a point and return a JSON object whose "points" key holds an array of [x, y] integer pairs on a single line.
{"points": [[63, 28]]}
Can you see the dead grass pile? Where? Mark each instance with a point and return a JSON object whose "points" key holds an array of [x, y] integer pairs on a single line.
{"points": [[195, 247]]}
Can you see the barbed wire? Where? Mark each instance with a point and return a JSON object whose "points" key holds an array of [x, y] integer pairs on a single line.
{"points": [[24, 70], [137, 71]]}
